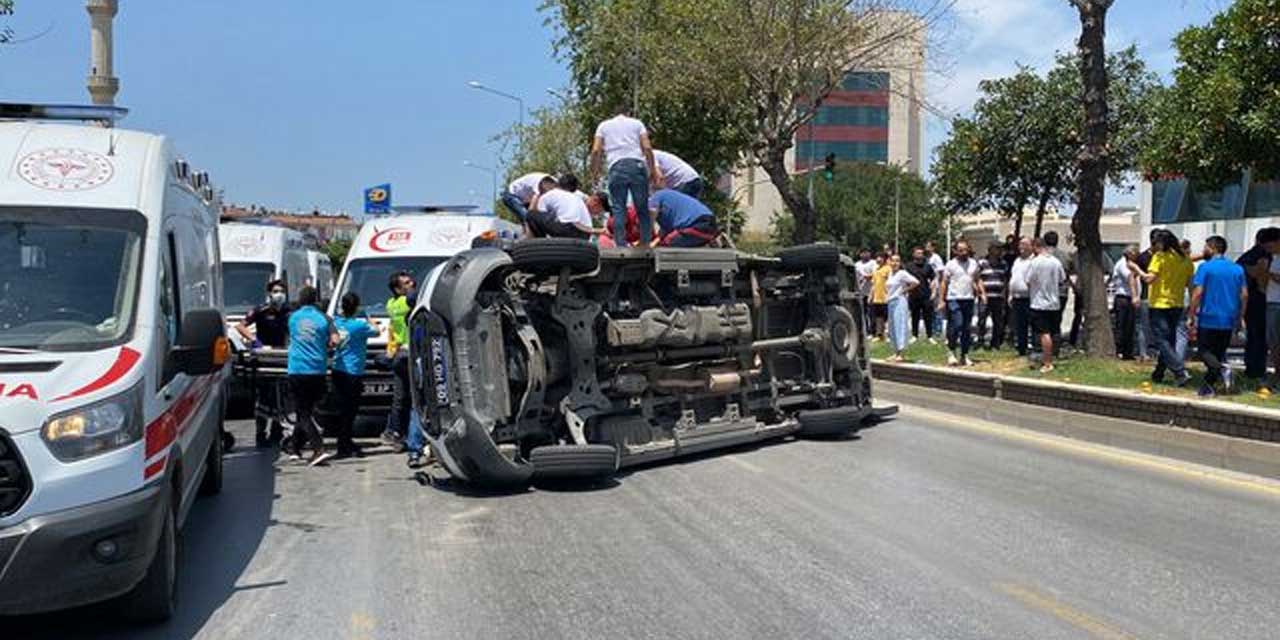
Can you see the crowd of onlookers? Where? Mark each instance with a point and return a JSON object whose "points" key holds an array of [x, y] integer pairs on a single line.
{"points": [[1162, 299]]}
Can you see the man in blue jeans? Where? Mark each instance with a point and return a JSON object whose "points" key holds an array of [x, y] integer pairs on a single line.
{"points": [[1220, 292], [623, 142], [683, 221], [961, 286]]}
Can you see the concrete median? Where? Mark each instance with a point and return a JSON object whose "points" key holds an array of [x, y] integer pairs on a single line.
{"points": [[1239, 438]]}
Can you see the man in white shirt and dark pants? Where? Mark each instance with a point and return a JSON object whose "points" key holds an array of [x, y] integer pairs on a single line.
{"points": [[521, 192], [623, 142], [676, 174], [561, 214], [1044, 280], [961, 286], [1124, 302], [1020, 296]]}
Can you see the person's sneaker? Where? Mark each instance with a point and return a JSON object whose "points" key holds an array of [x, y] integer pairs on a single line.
{"points": [[912, 340], [967, 362], [415, 461], [1048, 368], [1182, 379], [933, 341], [319, 459], [951, 359], [390, 437], [1205, 391], [294, 457], [1227, 380]]}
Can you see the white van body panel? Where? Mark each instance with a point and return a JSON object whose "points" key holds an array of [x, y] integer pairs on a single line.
{"points": [[96, 173], [321, 273]]}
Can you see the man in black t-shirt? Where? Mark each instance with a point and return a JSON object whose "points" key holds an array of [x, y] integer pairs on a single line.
{"points": [[1256, 263], [919, 300], [271, 323]]}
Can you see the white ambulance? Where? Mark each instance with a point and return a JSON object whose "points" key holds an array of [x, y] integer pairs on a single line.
{"points": [[254, 254], [321, 270], [111, 360], [415, 239]]}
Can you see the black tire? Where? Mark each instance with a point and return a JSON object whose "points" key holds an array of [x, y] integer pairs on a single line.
{"points": [[829, 423], [211, 483], [572, 461], [155, 598], [820, 255], [547, 256]]}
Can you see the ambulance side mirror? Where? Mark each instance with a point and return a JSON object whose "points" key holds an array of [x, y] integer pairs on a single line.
{"points": [[202, 346]]}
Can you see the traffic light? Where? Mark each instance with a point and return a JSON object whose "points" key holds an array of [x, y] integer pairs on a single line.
{"points": [[829, 169]]}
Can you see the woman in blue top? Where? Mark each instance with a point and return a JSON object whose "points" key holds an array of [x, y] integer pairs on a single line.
{"points": [[348, 370], [310, 336]]}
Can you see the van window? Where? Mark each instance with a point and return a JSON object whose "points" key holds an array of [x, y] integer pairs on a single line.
{"points": [[368, 277], [69, 278], [244, 285]]}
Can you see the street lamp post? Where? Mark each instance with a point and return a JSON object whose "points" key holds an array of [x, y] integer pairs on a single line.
{"points": [[492, 172], [476, 84]]}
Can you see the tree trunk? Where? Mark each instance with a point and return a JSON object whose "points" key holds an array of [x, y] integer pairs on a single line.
{"points": [[1093, 161], [1017, 225], [805, 229], [1044, 202]]}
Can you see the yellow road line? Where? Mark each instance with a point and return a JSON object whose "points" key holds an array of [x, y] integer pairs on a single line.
{"points": [[744, 464], [1056, 608], [1163, 465]]}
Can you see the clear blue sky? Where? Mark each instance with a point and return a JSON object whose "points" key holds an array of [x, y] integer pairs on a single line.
{"points": [[301, 103]]}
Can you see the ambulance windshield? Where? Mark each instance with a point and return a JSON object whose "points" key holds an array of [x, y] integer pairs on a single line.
{"points": [[68, 278]]}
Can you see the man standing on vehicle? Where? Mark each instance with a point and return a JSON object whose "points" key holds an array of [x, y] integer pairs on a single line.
{"points": [[519, 195], [623, 142], [674, 173], [403, 297], [310, 336], [1219, 293], [348, 369], [682, 220], [271, 324]]}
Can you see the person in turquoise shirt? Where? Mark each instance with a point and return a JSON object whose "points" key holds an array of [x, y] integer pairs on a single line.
{"points": [[349, 361], [311, 333]]}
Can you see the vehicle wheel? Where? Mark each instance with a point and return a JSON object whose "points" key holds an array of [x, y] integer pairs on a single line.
{"points": [[228, 441], [547, 256], [155, 598], [829, 423], [820, 255], [211, 484], [573, 461]]}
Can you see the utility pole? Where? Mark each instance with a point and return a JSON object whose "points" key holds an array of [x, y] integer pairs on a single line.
{"points": [[102, 84]]}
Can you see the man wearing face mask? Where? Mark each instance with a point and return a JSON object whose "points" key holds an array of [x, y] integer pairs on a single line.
{"points": [[271, 329]]}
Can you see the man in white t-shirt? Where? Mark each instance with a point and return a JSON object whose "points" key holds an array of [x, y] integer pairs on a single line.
{"points": [[1020, 296], [960, 288], [935, 261], [561, 214], [623, 143], [674, 173], [521, 192], [1044, 281], [1124, 302]]}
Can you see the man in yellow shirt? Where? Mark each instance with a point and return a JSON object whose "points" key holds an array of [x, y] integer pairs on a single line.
{"points": [[880, 295], [1168, 278]]}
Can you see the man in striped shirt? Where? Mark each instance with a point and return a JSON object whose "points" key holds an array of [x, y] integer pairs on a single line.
{"points": [[995, 276]]}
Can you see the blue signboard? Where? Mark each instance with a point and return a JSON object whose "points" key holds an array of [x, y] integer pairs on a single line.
{"points": [[377, 199]]}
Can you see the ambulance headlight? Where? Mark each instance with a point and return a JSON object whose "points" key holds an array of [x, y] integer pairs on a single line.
{"points": [[95, 429]]}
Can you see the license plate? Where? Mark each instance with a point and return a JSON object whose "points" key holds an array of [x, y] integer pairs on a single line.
{"points": [[438, 361], [378, 388]]}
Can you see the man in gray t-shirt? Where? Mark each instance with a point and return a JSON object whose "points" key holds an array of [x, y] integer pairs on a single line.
{"points": [[1045, 276]]}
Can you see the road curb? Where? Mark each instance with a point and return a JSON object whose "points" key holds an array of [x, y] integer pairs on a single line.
{"points": [[1168, 440]]}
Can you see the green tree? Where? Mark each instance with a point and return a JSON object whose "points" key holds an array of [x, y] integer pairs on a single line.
{"points": [[553, 141], [1021, 145], [1222, 114], [856, 209], [1094, 164], [337, 250], [720, 81]]}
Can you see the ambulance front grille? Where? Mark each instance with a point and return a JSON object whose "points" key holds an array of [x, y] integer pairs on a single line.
{"points": [[15, 484]]}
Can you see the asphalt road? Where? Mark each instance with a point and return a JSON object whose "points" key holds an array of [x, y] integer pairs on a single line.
{"points": [[922, 527]]}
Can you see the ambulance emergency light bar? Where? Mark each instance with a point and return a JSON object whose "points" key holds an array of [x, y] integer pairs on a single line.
{"points": [[72, 112], [467, 209]]}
